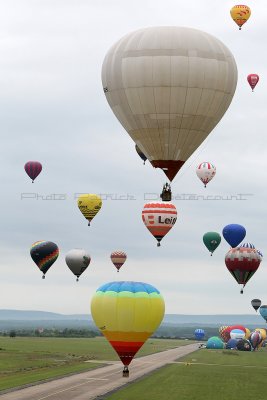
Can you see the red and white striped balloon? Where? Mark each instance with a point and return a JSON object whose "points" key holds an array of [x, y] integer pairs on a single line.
{"points": [[118, 258], [206, 171], [159, 218]]}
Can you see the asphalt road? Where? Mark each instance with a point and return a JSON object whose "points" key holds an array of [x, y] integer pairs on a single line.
{"points": [[89, 385]]}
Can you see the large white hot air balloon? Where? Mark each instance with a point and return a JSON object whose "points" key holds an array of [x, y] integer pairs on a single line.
{"points": [[169, 87]]}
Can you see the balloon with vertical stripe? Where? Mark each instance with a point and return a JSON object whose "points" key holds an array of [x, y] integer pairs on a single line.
{"points": [[206, 172], [44, 254], [127, 313], [159, 218], [33, 169]]}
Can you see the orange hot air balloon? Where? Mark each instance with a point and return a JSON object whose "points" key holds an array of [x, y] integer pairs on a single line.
{"points": [[159, 218], [118, 258], [253, 79], [240, 14]]}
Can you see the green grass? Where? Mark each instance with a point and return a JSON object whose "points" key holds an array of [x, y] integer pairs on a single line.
{"points": [[232, 376], [28, 360]]}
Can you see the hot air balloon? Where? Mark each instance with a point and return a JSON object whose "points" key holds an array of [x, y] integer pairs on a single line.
{"points": [[44, 254], [240, 14], [243, 345], [212, 241], [118, 258], [225, 335], [237, 334], [127, 313], [215, 342], [253, 79], [262, 332], [242, 264], [169, 87], [255, 339], [234, 234], [263, 312], [199, 334], [141, 154], [77, 260], [89, 205], [231, 344], [256, 303], [33, 169], [248, 245], [206, 171], [159, 218], [227, 331]]}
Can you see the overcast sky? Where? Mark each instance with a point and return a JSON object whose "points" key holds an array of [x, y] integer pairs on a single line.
{"points": [[52, 109]]}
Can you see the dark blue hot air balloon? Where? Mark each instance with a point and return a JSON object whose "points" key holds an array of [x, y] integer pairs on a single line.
{"points": [[199, 334], [234, 234]]}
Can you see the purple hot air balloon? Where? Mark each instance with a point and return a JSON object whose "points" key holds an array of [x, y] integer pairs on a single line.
{"points": [[33, 169]]}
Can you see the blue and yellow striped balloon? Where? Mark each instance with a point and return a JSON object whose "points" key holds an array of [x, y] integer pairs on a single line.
{"points": [[127, 313]]}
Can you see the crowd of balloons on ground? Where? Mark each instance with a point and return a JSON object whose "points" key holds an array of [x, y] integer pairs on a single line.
{"points": [[237, 337], [169, 87]]}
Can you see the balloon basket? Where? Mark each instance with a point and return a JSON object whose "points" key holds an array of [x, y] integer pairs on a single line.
{"points": [[43, 277], [125, 372], [77, 280], [158, 244]]}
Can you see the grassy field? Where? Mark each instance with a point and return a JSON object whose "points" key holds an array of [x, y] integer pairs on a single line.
{"points": [[27, 360], [220, 375]]}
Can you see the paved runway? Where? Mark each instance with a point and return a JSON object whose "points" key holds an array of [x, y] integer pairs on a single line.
{"points": [[89, 385]]}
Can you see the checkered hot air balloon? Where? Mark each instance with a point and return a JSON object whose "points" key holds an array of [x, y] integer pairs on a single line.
{"points": [[206, 171], [159, 218], [44, 254], [118, 258], [242, 263]]}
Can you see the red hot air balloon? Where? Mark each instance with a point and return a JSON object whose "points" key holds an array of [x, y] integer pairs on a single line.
{"points": [[118, 258], [253, 79], [159, 218], [33, 169], [242, 262]]}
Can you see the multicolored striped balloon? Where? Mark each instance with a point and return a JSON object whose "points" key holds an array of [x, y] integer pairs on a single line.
{"points": [[205, 172], [33, 169], [242, 263], [159, 218], [89, 205], [44, 254], [118, 258], [127, 313]]}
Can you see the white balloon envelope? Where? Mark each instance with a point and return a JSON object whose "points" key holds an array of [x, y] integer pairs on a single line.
{"points": [[169, 86]]}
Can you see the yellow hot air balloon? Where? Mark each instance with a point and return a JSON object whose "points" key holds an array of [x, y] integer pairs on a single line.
{"points": [[89, 205], [169, 86], [247, 335], [127, 313], [240, 14]]}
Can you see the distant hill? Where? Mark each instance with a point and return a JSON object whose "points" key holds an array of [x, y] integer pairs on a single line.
{"points": [[29, 318]]}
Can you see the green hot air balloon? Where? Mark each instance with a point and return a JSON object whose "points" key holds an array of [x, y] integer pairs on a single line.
{"points": [[212, 241]]}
